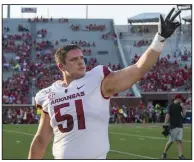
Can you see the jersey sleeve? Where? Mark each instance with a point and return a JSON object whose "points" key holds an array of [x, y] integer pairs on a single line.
{"points": [[102, 72], [41, 99]]}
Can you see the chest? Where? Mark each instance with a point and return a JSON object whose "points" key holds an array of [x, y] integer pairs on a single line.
{"points": [[77, 100], [175, 110]]}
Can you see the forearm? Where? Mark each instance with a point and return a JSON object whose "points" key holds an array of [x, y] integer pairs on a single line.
{"points": [[123, 79], [183, 110], [166, 119], [37, 148], [147, 60], [150, 56], [184, 113]]}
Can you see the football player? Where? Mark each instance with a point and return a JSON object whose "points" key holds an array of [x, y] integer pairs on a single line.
{"points": [[76, 109]]}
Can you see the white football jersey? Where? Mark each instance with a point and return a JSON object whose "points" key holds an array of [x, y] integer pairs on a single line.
{"points": [[79, 116]]}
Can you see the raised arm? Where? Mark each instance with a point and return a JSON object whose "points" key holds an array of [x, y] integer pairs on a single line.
{"points": [[183, 110], [123, 79], [41, 138]]}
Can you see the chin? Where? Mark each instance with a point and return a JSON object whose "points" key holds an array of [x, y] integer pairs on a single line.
{"points": [[80, 75]]}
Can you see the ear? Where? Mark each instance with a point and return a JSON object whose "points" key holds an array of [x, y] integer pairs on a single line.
{"points": [[61, 67]]}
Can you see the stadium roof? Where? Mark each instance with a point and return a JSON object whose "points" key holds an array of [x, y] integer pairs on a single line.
{"points": [[187, 18], [145, 17]]}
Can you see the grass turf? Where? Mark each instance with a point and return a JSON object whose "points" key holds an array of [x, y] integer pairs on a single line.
{"points": [[127, 141]]}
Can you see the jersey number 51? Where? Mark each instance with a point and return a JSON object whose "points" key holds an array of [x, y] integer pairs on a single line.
{"points": [[69, 118]]}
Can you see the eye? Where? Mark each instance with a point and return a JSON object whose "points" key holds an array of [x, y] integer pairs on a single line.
{"points": [[73, 59]]}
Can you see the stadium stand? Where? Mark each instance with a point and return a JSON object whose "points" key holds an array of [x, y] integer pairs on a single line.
{"points": [[29, 65], [29, 45]]}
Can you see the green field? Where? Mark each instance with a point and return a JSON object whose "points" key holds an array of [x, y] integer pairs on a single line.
{"points": [[128, 141]]}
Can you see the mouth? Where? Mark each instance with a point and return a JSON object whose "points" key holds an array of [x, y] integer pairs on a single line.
{"points": [[82, 68]]}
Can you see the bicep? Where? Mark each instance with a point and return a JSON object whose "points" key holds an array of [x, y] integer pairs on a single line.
{"points": [[121, 80]]}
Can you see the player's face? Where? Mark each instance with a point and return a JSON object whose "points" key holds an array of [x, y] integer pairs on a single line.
{"points": [[179, 100], [74, 64]]}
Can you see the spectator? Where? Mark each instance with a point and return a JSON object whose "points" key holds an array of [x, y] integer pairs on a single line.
{"points": [[11, 99]]}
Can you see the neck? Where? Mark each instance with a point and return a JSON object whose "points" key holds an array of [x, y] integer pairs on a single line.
{"points": [[67, 79]]}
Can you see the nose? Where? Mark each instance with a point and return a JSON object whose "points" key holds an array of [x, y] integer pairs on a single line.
{"points": [[81, 61]]}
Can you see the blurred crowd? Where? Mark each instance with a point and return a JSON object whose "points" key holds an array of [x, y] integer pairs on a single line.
{"points": [[139, 29], [166, 75], [46, 75], [18, 115], [141, 43], [150, 113], [15, 90]]}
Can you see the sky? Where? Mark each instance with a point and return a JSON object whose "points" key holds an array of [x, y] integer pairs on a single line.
{"points": [[119, 13]]}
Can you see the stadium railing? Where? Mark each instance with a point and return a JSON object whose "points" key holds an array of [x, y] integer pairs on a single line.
{"points": [[134, 87], [7, 106]]}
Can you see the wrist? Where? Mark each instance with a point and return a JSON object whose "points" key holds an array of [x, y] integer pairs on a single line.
{"points": [[158, 43]]}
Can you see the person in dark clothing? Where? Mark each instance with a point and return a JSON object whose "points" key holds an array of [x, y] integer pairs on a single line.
{"points": [[175, 116]]}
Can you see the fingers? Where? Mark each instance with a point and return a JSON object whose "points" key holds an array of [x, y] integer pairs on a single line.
{"points": [[177, 24], [169, 14], [175, 15], [161, 19]]}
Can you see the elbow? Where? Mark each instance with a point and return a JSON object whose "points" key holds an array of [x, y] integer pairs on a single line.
{"points": [[40, 141], [167, 116]]}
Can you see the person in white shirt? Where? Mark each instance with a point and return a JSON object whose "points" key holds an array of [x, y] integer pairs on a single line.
{"points": [[17, 58], [76, 109]]}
